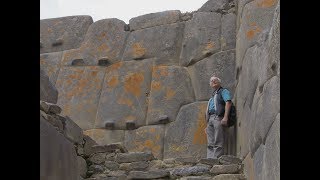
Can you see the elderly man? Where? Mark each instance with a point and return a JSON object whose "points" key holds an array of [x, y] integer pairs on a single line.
{"points": [[217, 118]]}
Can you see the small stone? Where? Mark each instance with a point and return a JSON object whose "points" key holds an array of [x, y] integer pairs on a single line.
{"points": [[229, 159], [111, 165], [97, 158], [225, 169]]}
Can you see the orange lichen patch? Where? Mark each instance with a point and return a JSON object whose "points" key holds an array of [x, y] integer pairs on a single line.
{"points": [[94, 73], [209, 46], [114, 81], [130, 118], [170, 93], [266, 3], [115, 66], [49, 30], [155, 85], [138, 50], [125, 101], [103, 35], [176, 148], [253, 31], [133, 82], [103, 47], [157, 137], [163, 70], [152, 146], [152, 130], [199, 136], [155, 73]]}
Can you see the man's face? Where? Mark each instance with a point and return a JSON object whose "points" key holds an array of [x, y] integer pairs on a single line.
{"points": [[214, 84]]}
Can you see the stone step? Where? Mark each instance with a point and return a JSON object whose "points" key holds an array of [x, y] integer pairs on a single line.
{"points": [[134, 157], [229, 159], [225, 169]]}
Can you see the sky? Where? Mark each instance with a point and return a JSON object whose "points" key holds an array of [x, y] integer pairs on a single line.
{"points": [[120, 9]]}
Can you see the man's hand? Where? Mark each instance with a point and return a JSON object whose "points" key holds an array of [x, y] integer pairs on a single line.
{"points": [[224, 122]]}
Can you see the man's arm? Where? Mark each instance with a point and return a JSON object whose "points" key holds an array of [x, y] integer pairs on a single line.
{"points": [[227, 107]]}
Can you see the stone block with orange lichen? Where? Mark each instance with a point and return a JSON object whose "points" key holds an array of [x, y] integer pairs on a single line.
{"points": [[221, 64], [185, 137], [104, 137], [79, 91], [228, 31], [50, 63], [257, 17], [201, 37], [161, 42], [146, 139], [154, 19], [170, 89], [123, 99], [48, 92], [63, 33]]}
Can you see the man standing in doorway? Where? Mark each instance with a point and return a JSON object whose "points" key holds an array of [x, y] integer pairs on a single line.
{"points": [[217, 113]]}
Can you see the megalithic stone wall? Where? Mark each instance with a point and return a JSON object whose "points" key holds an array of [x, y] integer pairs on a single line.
{"points": [[137, 83], [258, 87], [145, 83]]}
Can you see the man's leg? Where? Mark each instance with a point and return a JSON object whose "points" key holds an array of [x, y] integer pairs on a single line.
{"points": [[210, 138], [218, 140]]}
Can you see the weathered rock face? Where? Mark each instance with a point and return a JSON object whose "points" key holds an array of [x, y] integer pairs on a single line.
{"points": [[161, 42], [170, 89], [154, 19], [58, 34], [146, 139], [123, 103], [50, 64], [48, 92], [221, 64], [185, 137], [201, 37], [258, 87], [214, 6], [103, 136], [79, 92]]}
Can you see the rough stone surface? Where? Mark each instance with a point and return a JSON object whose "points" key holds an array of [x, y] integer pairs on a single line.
{"points": [[186, 160], [146, 139], [48, 92], [53, 120], [58, 34], [82, 166], [102, 45], [228, 31], [201, 37], [49, 108], [259, 161], [87, 148], [134, 166], [113, 147], [195, 178], [133, 157], [79, 92], [104, 137], [220, 64], [187, 171], [97, 158], [72, 131], [154, 19], [170, 85], [123, 97], [96, 169], [58, 159], [248, 170], [214, 6], [225, 169], [185, 137], [257, 17], [271, 169], [148, 174], [162, 43], [111, 165], [209, 161], [229, 159], [229, 177], [50, 64]]}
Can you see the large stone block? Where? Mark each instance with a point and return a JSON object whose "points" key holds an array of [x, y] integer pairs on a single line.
{"points": [[257, 18], [134, 157], [50, 64], [154, 19], [170, 89], [72, 131], [58, 34], [79, 95], [185, 137], [272, 152], [123, 102], [228, 31], [161, 42], [201, 37], [222, 65], [48, 91], [58, 158], [102, 45], [146, 139], [214, 6], [104, 137]]}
